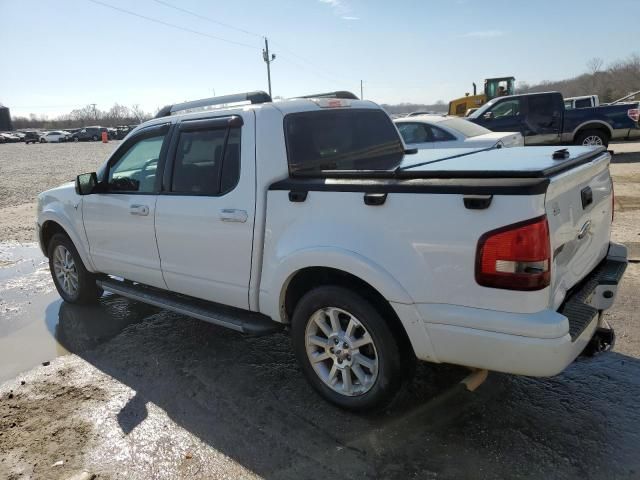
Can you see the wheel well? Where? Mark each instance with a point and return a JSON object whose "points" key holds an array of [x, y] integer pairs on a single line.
{"points": [[309, 278], [49, 229], [594, 126]]}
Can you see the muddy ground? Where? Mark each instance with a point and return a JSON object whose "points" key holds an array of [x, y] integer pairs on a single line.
{"points": [[123, 390]]}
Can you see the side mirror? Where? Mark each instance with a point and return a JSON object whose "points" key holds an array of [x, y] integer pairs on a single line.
{"points": [[488, 115], [86, 183]]}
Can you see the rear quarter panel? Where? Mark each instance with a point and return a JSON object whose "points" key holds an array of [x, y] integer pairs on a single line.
{"points": [[415, 248], [613, 117]]}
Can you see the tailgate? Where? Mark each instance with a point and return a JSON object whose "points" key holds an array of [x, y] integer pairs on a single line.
{"points": [[579, 206]]}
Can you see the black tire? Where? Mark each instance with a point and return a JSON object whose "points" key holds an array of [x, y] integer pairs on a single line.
{"points": [[42, 140], [390, 365], [95, 138], [599, 134], [87, 291], [76, 139]]}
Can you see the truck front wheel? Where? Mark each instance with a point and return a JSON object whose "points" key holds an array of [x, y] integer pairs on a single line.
{"points": [[346, 349], [592, 137], [74, 282]]}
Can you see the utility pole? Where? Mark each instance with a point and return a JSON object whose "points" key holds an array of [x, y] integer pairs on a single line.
{"points": [[361, 93], [268, 59]]}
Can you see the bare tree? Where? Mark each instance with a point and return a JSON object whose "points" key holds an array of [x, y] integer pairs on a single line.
{"points": [[594, 65], [138, 113]]}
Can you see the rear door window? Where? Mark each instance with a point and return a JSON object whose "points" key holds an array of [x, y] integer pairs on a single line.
{"points": [[207, 162], [414, 132], [439, 135], [345, 139]]}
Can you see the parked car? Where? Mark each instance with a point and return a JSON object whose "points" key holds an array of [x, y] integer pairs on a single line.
{"points": [[123, 130], [585, 101], [55, 136], [88, 133], [31, 137], [542, 119], [10, 137], [426, 112], [441, 131], [311, 213]]}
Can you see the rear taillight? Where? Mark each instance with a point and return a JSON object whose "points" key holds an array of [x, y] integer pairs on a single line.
{"points": [[634, 114], [515, 257]]}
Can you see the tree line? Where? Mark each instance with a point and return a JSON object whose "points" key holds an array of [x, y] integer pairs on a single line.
{"points": [[85, 116], [610, 83]]}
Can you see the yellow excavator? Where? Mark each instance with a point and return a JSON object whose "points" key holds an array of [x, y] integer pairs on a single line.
{"points": [[493, 87]]}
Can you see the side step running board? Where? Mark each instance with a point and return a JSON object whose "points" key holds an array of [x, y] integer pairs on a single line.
{"points": [[234, 318]]}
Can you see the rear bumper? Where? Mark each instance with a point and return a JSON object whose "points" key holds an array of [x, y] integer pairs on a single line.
{"points": [[538, 344]]}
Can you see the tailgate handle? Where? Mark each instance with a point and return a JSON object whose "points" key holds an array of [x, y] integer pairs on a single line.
{"points": [[375, 199], [587, 197]]}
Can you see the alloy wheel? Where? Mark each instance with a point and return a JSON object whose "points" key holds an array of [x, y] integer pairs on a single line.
{"points": [[341, 351], [64, 268], [592, 140]]}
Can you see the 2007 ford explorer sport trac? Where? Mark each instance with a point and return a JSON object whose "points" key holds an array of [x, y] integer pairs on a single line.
{"points": [[310, 213]]}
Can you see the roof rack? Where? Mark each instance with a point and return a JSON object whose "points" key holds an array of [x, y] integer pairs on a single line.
{"points": [[253, 97], [338, 94]]}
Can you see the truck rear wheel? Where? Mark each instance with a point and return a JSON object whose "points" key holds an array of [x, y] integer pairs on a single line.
{"points": [[346, 349], [74, 282], [592, 137]]}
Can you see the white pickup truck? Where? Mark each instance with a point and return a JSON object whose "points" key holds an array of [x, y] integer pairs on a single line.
{"points": [[310, 213]]}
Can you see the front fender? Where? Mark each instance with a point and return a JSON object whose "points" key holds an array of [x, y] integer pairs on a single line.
{"points": [[276, 277], [68, 214]]}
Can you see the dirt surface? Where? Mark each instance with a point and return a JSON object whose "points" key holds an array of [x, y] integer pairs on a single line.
{"points": [[126, 391]]}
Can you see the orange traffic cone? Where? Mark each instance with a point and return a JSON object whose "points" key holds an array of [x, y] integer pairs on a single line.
{"points": [[105, 137]]}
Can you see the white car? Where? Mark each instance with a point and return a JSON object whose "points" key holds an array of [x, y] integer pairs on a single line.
{"points": [[311, 213], [442, 131], [55, 136]]}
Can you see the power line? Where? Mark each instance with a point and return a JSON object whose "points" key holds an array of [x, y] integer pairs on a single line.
{"points": [[172, 25], [248, 32], [208, 19]]}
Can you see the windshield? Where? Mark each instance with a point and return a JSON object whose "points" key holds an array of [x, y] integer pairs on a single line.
{"points": [[479, 112], [342, 140], [465, 127]]}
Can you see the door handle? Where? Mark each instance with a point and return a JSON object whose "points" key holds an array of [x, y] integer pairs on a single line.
{"points": [[233, 215], [142, 210]]}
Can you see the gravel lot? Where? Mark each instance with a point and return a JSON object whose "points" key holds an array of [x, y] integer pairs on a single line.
{"points": [[132, 392], [26, 170]]}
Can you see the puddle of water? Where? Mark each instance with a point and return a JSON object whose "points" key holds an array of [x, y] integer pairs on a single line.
{"points": [[37, 326]]}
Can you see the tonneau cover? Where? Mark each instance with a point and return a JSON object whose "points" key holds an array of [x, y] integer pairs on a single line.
{"points": [[516, 162]]}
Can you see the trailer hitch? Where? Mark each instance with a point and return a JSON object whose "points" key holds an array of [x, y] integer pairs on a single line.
{"points": [[603, 340]]}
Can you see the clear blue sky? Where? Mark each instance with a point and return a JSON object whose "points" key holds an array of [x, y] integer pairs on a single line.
{"points": [[59, 55]]}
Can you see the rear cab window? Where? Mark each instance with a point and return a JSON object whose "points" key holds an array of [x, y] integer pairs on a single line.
{"points": [[341, 140], [206, 159]]}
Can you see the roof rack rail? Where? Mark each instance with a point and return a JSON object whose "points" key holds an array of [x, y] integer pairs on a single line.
{"points": [[338, 94], [253, 97]]}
